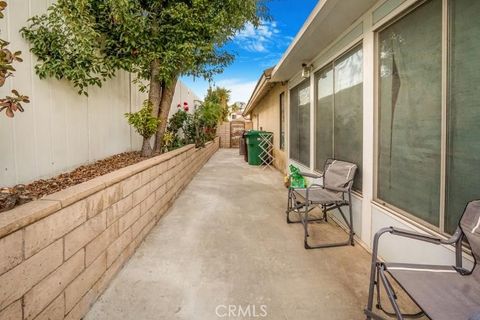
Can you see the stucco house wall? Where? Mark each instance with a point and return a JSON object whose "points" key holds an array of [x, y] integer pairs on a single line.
{"points": [[351, 24], [266, 116]]}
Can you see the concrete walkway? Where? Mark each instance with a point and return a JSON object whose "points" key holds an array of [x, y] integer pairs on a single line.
{"points": [[225, 247]]}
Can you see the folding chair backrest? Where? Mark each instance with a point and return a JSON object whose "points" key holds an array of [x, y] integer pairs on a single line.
{"points": [[470, 225], [338, 174]]}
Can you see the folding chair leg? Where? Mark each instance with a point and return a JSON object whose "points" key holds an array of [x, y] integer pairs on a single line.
{"points": [[305, 221], [301, 220], [289, 204], [377, 276], [325, 216], [351, 233], [292, 206], [371, 289], [391, 295]]}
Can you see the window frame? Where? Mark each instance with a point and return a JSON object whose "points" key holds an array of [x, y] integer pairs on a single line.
{"points": [[281, 137], [444, 114]]}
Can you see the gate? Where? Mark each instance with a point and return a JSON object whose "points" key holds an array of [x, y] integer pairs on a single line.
{"points": [[236, 130]]}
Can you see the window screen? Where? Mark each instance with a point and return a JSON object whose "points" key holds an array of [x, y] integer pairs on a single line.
{"points": [[348, 111], [300, 123], [339, 112], [463, 152], [324, 118], [410, 96]]}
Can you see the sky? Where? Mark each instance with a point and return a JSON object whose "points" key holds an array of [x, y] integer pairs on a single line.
{"points": [[257, 49]]}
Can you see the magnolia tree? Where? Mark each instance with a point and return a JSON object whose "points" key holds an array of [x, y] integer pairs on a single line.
{"points": [[87, 41], [12, 103]]}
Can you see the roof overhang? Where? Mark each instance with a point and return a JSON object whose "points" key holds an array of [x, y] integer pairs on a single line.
{"points": [[263, 86], [328, 20]]}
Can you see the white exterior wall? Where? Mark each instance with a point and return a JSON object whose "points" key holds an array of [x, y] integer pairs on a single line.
{"points": [[184, 94], [59, 129], [370, 216]]}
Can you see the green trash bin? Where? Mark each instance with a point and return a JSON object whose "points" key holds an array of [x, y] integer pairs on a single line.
{"points": [[253, 146]]}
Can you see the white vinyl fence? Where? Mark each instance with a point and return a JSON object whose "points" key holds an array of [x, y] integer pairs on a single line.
{"points": [[59, 129]]}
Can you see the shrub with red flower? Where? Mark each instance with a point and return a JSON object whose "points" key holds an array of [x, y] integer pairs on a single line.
{"points": [[185, 106]]}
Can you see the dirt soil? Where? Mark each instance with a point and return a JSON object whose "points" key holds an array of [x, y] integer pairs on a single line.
{"points": [[11, 197]]}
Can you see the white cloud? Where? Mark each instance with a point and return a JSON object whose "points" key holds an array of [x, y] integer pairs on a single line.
{"points": [[240, 90], [258, 39]]}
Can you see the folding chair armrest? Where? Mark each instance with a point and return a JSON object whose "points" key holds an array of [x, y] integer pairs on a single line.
{"points": [[416, 235], [311, 175], [455, 239], [307, 189], [428, 238], [402, 233]]}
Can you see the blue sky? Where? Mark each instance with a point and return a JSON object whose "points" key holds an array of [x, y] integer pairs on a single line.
{"points": [[258, 49]]}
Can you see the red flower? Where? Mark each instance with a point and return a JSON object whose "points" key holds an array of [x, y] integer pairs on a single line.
{"points": [[178, 106], [185, 103], [185, 108]]}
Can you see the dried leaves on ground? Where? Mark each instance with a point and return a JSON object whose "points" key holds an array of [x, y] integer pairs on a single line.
{"points": [[20, 194]]}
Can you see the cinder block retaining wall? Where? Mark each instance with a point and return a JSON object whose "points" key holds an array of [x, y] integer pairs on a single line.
{"points": [[58, 254]]}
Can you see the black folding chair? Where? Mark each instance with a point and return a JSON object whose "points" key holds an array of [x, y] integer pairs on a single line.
{"points": [[334, 193], [441, 292]]}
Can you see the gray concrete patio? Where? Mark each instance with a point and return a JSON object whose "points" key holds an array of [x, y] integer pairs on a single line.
{"points": [[225, 244]]}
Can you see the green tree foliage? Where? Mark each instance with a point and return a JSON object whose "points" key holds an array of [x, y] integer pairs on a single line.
{"points": [[145, 124], [12, 103], [219, 96], [87, 41]]}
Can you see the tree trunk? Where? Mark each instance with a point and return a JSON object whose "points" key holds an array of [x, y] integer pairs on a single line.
{"points": [[146, 148], [154, 97], [165, 104], [155, 92]]}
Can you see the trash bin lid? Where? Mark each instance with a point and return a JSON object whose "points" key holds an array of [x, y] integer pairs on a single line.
{"points": [[252, 133]]}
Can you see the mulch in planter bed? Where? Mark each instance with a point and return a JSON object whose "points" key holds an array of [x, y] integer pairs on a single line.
{"points": [[20, 194]]}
